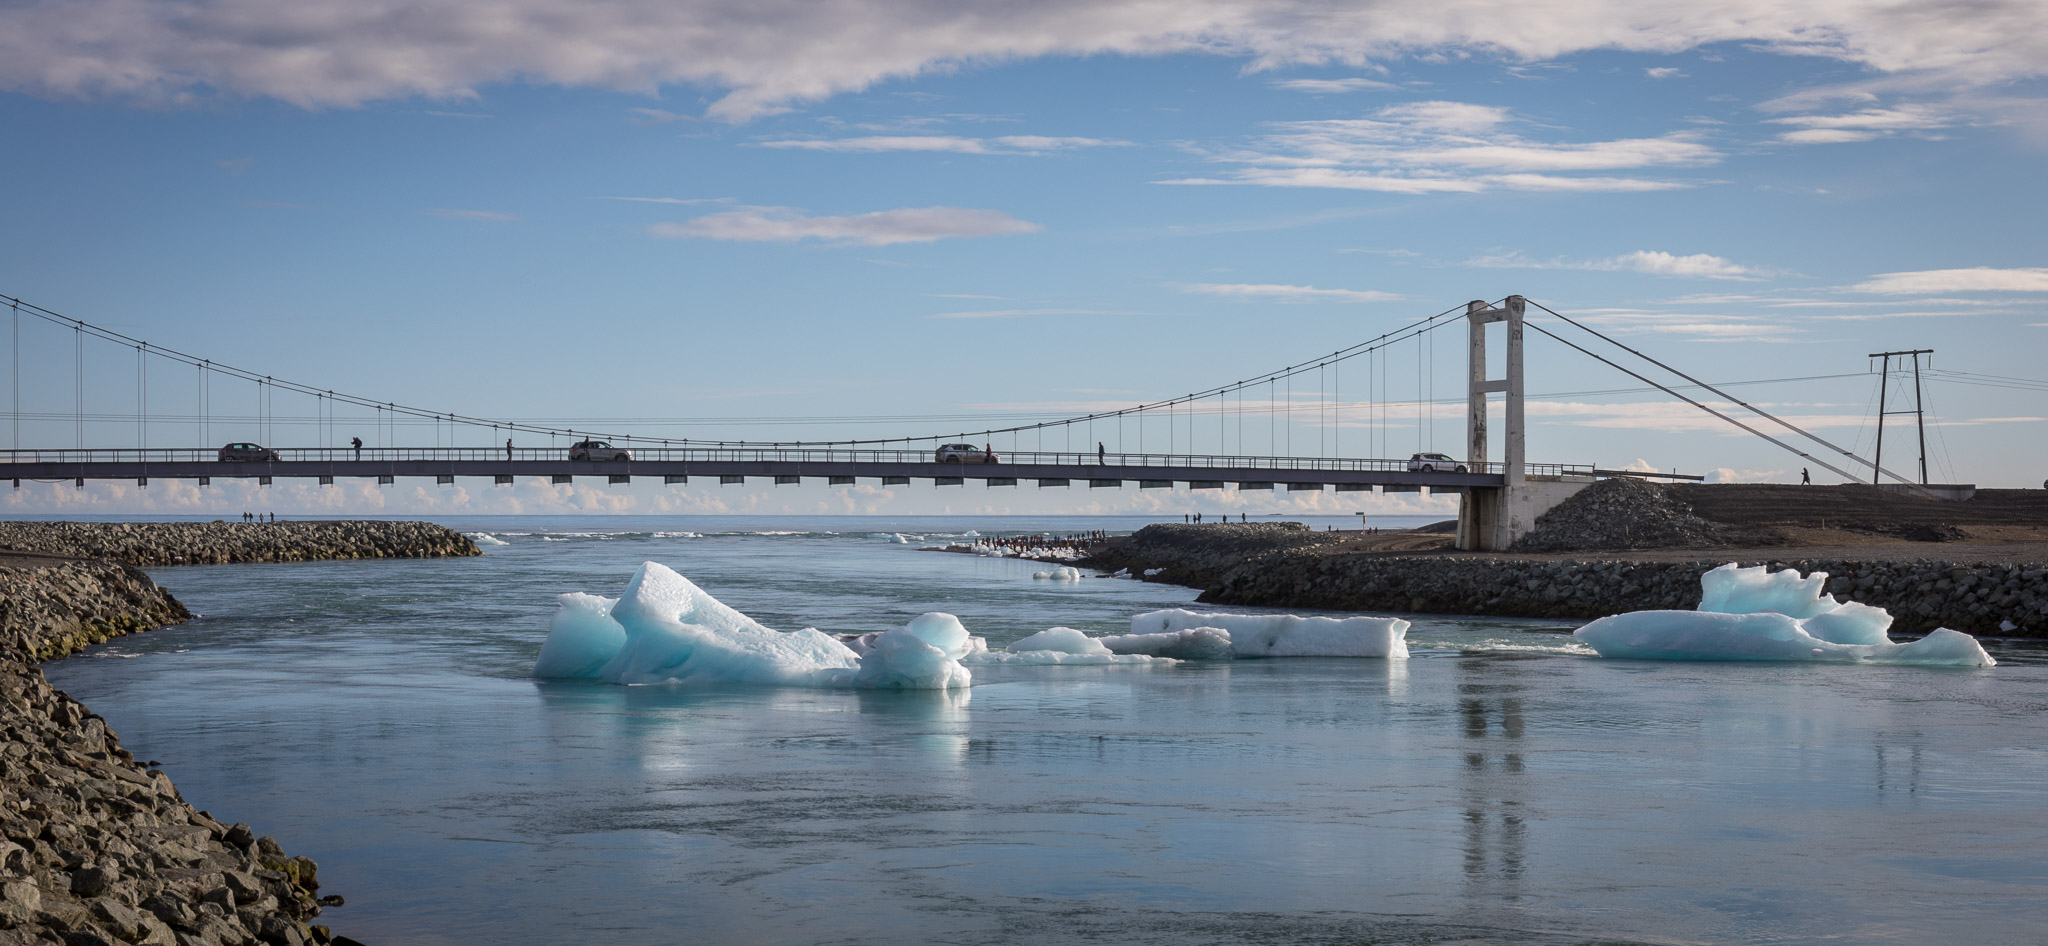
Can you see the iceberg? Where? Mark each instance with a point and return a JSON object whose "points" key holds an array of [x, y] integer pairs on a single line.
{"points": [[1061, 645], [1755, 614], [1197, 643], [1264, 635], [665, 629], [1060, 573]]}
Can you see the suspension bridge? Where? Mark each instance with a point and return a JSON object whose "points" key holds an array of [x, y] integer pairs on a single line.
{"points": [[1268, 432]]}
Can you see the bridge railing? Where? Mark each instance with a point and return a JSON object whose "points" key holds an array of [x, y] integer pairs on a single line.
{"points": [[771, 454]]}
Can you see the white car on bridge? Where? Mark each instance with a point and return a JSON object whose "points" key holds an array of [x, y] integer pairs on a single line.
{"points": [[1434, 463], [962, 453], [598, 450]]}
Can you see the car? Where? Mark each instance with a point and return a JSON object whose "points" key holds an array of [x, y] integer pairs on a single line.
{"points": [[1434, 463], [598, 450], [962, 453], [247, 452]]}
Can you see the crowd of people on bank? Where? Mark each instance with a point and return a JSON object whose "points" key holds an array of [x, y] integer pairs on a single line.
{"points": [[1036, 543]]}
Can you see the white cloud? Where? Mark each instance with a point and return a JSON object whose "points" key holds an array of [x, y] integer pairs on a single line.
{"points": [[655, 116], [1653, 262], [686, 201], [1975, 279], [1678, 416], [1284, 293], [1331, 86], [881, 228], [1023, 313], [766, 56], [1729, 475], [1664, 72], [1005, 144], [487, 216], [1865, 125], [1429, 147]]}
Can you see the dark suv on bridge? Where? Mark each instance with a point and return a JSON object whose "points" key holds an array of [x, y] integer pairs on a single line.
{"points": [[247, 452]]}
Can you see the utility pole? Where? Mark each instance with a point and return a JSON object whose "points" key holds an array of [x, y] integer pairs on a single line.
{"points": [[1919, 412]]}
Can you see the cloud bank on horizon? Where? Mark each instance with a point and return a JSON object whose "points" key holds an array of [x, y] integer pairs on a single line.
{"points": [[767, 56]]}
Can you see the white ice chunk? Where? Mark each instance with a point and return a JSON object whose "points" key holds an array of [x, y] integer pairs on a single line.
{"points": [[1064, 640], [582, 638], [1787, 618], [1153, 571], [1061, 658], [925, 655], [1061, 573], [1195, 643], [665, 629], [1286, 635], [1734, 590]]}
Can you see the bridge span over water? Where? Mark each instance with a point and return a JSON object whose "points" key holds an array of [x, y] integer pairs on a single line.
{"points": [[779, 465], [1245, 435]]}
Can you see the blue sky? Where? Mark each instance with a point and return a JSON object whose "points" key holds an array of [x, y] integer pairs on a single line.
{"points": [[686, 219]]}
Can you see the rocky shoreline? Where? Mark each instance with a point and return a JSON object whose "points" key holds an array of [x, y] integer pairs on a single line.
{"points": [[1274, 565], [98, 848], [222, 543]]}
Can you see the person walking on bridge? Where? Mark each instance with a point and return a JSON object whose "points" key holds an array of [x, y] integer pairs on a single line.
{"points": [[1101, 454], [357, 442], [1805, 478], [508, 448]]}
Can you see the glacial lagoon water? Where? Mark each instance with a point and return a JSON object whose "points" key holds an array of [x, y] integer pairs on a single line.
{"points": [[1501, 786]]}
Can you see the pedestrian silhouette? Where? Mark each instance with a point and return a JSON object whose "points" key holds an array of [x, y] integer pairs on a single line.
{"points": [[1805, 478], [1101, 455], [357, 442], [508, 448]]}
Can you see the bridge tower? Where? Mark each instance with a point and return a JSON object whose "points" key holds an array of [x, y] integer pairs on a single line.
{"points": [[1492, 518]]}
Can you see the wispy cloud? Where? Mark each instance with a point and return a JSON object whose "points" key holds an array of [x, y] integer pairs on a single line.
{"points": [[881, 228], [1664, 72], [487, 216], [1024, 313], [1701, 326], [656, 116], [962, 295], [1283, 293], [1002, 144], [1332, 86], [685, 201], [1652, 262], [1448, 147], [1860, 126], [328, 53], [1975, 279]]}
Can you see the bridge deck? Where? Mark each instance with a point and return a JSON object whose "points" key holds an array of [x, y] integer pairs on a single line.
{"points": [[1027, 468]]}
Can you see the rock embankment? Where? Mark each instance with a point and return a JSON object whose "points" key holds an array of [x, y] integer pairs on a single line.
{"points": [[1303, 569], [65, 607], [1974, 598], [1199, 555], [1626, 513], [221, 543]]}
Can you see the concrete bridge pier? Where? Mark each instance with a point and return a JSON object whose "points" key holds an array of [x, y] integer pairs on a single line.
{"points": [[1491, 518]]}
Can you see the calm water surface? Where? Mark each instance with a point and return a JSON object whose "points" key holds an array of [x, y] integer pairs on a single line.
{"points": [[1500, 787]]}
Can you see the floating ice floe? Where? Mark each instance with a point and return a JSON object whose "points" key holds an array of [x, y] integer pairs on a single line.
{"points": [[1059, 573], [1755, 614], [1153, 571], [1191, 636], [665, 629], [1060, 645], [485, 538]]}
